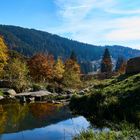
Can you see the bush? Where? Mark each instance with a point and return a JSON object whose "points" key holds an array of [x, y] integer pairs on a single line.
{"points": [[1, 93], [37, 87], [51, 88]]}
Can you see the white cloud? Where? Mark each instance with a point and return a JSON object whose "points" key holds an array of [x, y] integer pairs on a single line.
{"points": [[76, 10], [123, 12], [73, 11], [102, 26], [125, 29]]}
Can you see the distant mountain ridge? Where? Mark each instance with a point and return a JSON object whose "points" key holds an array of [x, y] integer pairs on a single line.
{"points": [[31, 41]]}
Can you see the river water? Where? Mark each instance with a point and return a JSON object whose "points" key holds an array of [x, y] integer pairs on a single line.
{"points": [[39, 121]]}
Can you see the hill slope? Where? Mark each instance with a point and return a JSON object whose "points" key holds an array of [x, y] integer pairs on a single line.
{"points": [[113, 99], [30, 41]]}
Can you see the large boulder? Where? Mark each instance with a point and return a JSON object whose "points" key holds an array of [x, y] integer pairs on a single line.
{"points": [[7, 91], [133, 65]]}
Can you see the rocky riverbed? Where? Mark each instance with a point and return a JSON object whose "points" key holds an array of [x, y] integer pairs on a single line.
{"points": [[41, 95]]}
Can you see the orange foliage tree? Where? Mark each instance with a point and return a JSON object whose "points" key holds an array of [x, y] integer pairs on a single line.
{"points": [[41, 67], [122, 69]]}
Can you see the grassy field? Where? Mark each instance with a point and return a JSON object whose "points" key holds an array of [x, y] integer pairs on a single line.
{"points": [[115, 99]]}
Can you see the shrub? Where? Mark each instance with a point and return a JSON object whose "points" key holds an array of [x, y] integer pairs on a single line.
{"points": [[1, 93], [37, 87]]}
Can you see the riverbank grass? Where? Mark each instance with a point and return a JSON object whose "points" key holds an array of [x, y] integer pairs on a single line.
{"points": [[114, 99], [125, 131]]}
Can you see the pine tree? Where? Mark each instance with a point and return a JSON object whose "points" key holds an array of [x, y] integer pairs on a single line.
{"points": [[106, 64], [119, 62], [73, 56], [120, 65]]}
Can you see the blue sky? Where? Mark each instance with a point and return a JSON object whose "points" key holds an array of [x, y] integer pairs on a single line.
{"points": [[99, 22]]}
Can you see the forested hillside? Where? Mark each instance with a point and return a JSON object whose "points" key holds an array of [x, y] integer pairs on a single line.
{"points": [[30, 41]]}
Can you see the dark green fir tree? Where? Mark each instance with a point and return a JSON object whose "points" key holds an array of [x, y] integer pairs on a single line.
{"points": [[106, 64], [119, 63], [73, 56]]}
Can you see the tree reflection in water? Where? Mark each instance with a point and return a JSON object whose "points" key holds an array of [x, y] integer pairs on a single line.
{"points": [[41, 111], [16, 117]]}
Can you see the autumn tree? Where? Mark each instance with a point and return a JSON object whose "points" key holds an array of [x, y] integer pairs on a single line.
{"points": [[58, 70], [41, 67], [72, 74], [3, 55], [16, 72], [50, 67], [120, 65], [106, 64], [122, 69], [14, 54]]}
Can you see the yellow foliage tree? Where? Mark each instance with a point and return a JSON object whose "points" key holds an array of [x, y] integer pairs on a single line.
{"points": [[58, 70], [16, 72], [72, 74], [3, 55]]}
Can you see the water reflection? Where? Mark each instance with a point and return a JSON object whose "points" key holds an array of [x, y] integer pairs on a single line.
{"points": [[60, 131], [39, 121]]}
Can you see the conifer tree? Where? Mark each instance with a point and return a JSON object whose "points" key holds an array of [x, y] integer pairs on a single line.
{"points": [[73, 56], [120, 65], [106, 64], [119, 62]]}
